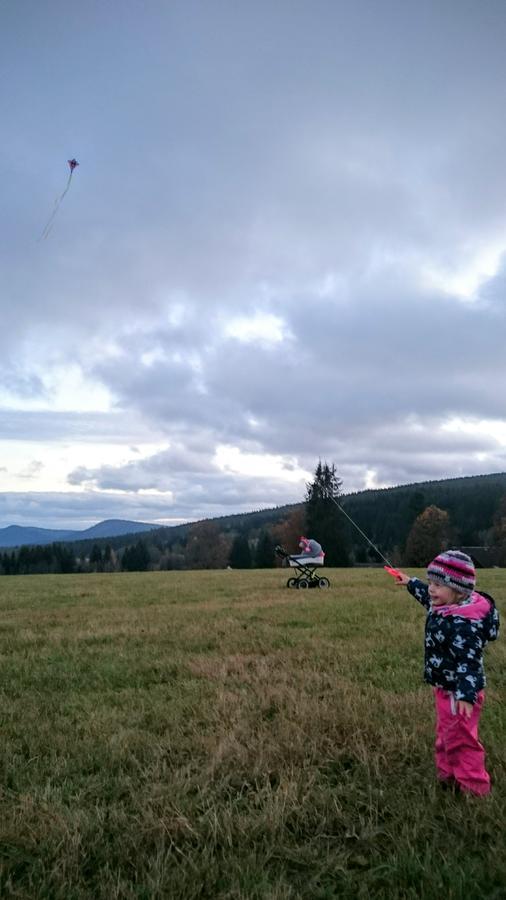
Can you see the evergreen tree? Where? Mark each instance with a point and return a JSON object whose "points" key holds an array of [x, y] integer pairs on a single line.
{"points": [[96, 559], [324, 520], [265, 557], [109, 559], [127, 560], [64, 559], [174, 557], [415, 505], [10, 563], [240, 553], [499, 533], [430, 534], [135, 558]]}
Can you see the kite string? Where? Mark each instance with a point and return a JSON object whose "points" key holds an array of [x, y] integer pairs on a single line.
{"points": [[330, 497], [58, 200]]}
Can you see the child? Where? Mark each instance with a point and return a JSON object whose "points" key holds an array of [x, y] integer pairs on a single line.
{"points": [[459, 624]]}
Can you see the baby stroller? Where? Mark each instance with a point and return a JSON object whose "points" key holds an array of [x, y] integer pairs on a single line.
{"points": [[305, 567]]}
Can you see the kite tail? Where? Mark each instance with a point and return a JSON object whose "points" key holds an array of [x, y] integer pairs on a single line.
{"points": [[58, 201]]}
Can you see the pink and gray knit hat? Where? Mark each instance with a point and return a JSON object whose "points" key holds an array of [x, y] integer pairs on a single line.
{"points": [[453, 569]]}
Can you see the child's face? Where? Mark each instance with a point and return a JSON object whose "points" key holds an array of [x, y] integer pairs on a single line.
{"points": [[441, 595]]}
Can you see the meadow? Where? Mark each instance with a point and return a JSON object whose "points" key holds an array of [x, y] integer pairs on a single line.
{"points": [[216, 735]]}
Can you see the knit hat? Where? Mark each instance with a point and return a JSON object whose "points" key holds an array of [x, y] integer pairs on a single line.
{"points": [[453, 569]]}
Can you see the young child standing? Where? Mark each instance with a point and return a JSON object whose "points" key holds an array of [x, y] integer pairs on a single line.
{"points": [[460, 622]]}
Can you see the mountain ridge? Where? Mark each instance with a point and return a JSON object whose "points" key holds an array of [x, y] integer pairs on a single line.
{"points": [[444, 492], [22, 535]]}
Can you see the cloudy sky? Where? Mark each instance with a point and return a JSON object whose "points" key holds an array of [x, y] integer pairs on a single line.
{"points": [[285, 241]]}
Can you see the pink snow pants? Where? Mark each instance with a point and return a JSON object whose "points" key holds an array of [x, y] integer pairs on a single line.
{"points": [[458, 752]]}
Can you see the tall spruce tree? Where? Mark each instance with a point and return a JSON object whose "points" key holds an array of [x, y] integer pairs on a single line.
{"points": [[499, 533], [96, 558], [240, 553], [324, 521], [135, 558], [265, 557]]}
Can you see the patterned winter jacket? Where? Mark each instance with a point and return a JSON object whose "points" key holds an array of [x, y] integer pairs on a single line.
{"points": [[455, 637]]}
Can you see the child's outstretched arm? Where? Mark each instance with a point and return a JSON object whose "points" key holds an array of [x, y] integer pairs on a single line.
{"points": [[418, 589], [400, 577]]}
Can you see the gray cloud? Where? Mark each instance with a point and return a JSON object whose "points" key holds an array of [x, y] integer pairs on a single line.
{"points": [[47, 426], [81, 509], [386, 355], [316, 162]]}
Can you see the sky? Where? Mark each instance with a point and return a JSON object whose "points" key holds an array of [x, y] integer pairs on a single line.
{"points": [[285, 241]]}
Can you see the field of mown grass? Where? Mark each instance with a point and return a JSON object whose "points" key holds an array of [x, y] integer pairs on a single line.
{"points": [[216, 735]]}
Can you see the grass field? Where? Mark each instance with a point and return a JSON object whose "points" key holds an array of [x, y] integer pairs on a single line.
{"points": [[216, 735]]}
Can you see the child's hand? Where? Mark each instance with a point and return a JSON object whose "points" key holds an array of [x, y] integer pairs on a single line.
{"points": [[400, 577], [403, 578], [464, 709]]}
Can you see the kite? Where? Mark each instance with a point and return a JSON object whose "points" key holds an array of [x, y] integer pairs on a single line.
{"points": [[72, 165]]}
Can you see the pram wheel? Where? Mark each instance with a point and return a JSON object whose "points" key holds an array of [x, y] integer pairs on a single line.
{"points": [[291, 583], [302, 583], [323, 583]]}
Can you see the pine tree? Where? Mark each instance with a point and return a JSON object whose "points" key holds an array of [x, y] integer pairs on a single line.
{"points": [[499, 532], [324, 520], [265, 556], [109, 559], [96, 559], [240, 553], [136, 558], [64, 559]]}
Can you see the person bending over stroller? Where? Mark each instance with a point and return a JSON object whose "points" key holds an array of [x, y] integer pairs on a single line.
{"points": [[309, 548]]}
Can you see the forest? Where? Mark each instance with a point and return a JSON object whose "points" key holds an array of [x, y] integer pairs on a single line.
{"points": [[406, 525]]}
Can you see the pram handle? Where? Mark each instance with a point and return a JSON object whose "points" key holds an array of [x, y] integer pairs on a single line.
{"points": [[280, 551]]}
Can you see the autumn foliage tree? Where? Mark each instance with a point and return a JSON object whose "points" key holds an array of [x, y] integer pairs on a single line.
{"points": [[206, 547], [429, 535], [288, 532]]}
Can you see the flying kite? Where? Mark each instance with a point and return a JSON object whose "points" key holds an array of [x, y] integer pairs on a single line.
{"points": [[72, 165]]}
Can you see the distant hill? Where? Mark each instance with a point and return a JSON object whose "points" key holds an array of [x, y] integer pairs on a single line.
{"points": [[21, 535]]}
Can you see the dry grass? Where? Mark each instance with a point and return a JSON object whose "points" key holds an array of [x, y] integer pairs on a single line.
{"points": [[215, 735]]}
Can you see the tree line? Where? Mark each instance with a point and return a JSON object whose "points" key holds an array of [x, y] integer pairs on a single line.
{"points": [[204, 548], [409, 525]]}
